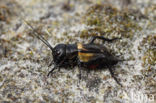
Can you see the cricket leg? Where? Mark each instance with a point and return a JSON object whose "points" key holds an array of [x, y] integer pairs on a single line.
{"points": [[102, 38], [51, 71], [112, 74]]}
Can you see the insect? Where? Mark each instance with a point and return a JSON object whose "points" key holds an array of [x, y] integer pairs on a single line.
{"points": [[89, 55]]}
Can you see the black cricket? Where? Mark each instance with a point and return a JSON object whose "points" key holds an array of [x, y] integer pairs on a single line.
{"points": [[90, 56]]}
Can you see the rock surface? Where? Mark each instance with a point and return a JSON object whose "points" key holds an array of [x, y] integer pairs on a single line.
{"points": [[24, 59]]}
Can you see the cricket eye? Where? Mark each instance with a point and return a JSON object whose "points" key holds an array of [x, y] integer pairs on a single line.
{"points": [[57, 52]]}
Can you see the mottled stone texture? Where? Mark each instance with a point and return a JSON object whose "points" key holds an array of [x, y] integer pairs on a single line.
{"points": [[24, 59]]}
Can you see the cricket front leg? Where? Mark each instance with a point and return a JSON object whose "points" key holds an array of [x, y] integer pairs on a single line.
{"points": [[52, 62], [51, 71]]}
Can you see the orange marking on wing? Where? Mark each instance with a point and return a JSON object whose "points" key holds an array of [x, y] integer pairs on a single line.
{"points": [[85, 57], [80, 46]]}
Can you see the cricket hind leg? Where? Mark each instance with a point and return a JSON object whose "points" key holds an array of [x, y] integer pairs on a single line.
{"points": [[102, 38], [80, 70], [113, 75]]}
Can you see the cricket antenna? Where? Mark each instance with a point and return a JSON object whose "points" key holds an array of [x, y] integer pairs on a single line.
{"points": [[39, 36]]}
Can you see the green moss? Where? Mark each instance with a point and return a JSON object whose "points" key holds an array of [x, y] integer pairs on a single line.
{"points": [[4, 12], [1, 78], [7, 11], [149, 57], [107, 19]]}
